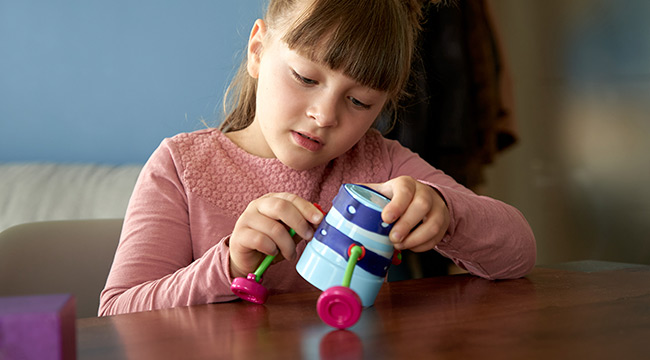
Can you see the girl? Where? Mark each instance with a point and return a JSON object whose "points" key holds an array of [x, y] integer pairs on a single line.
{"points": [[209, 205]]}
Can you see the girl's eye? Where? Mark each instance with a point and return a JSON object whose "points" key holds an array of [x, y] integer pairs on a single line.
{"points": [[303, 79], [358, 103]]}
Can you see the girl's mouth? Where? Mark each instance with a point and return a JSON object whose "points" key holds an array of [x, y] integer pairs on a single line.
{"points": [[305, 141]]}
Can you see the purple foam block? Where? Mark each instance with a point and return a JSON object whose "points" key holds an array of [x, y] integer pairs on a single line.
{"points": [[38, 327]]}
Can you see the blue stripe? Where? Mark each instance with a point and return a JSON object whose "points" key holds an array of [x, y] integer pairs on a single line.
{"points": [[337, 241], [369, 239]]}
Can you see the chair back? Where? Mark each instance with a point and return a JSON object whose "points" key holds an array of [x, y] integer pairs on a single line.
{"points": [[69, 256]]}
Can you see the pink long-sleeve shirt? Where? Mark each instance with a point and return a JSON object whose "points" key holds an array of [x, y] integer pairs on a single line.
{"points": [[173, 250]]}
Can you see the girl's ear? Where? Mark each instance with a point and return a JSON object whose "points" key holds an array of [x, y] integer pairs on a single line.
{"points": [[255, 44]]}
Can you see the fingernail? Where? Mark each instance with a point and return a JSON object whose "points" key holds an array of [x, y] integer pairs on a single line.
{"points": [[390, 218], [310, 234], [396, 237]]}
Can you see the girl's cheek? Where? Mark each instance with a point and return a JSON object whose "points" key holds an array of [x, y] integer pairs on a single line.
{"points": [[287, 91]]}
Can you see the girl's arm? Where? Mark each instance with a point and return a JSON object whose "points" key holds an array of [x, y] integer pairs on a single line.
{"points": [[154, 266], [485, 236]]}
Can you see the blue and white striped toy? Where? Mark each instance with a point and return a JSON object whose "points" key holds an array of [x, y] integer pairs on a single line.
{"points": [[354, 219]]}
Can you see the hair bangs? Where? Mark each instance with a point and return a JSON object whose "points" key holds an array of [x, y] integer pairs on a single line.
{"points": [[357, 38]]}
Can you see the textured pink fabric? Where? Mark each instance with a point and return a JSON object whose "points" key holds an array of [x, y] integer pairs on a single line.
{"points": [[174, 250]]}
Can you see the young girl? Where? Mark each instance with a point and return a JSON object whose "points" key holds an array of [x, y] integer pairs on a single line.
{"points": [[209, 205]]}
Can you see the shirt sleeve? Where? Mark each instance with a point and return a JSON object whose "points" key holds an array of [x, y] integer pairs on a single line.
{"points": [[154, 266], [486, 237]]}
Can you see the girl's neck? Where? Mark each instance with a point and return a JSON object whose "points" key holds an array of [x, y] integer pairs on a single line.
{"points": [[248, 140]]}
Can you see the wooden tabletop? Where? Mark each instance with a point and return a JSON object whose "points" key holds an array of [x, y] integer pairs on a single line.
{"points": [[587, 310]]}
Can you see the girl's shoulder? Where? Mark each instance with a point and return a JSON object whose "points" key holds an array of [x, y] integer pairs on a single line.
{"points": [[199, 138], [203, 145], [213, 168]]}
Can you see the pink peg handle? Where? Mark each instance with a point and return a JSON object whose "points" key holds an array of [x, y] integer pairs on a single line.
{"points": [[249, 289], [339, 307]]}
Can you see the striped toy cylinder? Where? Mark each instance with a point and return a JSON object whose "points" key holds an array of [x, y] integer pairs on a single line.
{"points": [[354, 219]]}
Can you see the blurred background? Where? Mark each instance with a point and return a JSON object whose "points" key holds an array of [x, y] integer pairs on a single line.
{"points": [[580, 172], [104, 82]]}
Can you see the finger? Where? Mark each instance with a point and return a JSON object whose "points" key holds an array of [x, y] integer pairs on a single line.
{"points": [[245, 255], [246, 240], [426, 246], [401, 191], [425, 236], [434, 227], [420, 206], [275, 213], [294, 211], [273, 235]]}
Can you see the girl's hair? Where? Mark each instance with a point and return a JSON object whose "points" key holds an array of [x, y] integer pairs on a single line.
{"points": [[371, 41]]}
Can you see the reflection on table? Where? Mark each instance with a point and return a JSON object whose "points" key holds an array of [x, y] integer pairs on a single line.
{"points": [[589, 309]]}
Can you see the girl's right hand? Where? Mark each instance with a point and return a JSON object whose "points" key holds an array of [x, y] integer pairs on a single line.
{"points": [[263, 229]]}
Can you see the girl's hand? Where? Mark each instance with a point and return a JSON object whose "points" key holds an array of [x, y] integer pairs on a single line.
{"points": [[263, 229], [421, 213]]}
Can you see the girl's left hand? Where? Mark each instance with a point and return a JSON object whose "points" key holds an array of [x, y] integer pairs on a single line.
{"points": [[421, 214]]}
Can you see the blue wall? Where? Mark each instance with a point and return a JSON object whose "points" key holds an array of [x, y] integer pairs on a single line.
{"points": [[105, 81]]}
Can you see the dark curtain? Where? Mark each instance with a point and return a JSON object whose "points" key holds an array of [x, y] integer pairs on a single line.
{"points": [[458, 115]]}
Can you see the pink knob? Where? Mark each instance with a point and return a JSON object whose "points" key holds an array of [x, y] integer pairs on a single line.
{"points": [[339, 307], [249, 289]]}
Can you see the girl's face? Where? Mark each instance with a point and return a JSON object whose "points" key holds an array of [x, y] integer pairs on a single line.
{"points": [[306, 113]]}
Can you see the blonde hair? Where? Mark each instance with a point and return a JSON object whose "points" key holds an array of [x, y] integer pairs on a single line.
{"points": [[371, 41]]}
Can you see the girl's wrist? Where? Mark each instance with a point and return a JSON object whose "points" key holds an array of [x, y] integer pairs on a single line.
{"points": [[235, 272]]}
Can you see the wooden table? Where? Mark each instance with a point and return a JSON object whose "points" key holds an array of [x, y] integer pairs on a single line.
{"points": [[584, 310]]}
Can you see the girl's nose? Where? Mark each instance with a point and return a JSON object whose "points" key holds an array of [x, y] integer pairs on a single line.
{"points": [[323, 112]]}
